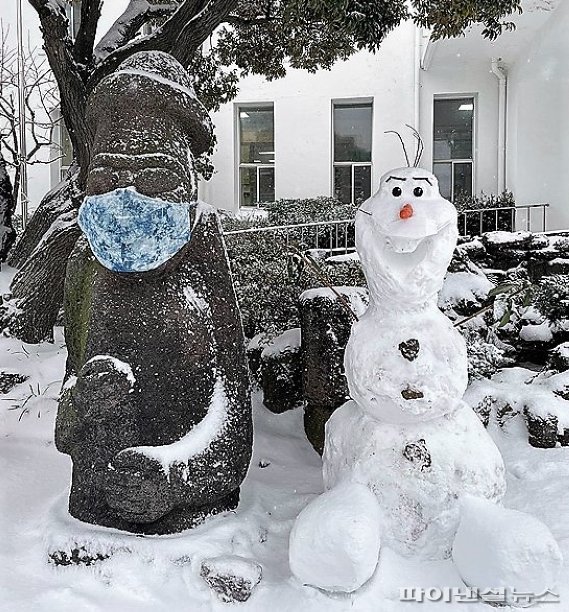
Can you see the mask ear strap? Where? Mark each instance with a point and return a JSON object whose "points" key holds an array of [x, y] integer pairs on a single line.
{"points": [[402, 144]]}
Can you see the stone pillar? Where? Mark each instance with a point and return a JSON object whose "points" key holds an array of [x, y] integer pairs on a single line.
{"points": [[326, 326]]}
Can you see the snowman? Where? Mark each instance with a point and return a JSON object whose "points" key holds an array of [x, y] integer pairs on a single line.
{"points": [[407, 464]]}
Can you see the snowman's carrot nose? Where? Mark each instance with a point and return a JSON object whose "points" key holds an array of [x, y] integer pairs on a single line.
{"points": [[406, 212]]}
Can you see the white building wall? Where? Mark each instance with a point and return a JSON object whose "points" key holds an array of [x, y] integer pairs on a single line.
{"points": [[303, 120], [455, 79], [538, 126]]}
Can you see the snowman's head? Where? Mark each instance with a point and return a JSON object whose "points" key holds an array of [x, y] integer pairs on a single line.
{"points": [[405, 235]]}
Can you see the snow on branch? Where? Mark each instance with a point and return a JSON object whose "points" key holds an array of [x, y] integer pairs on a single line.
{"points": [[125, 28], [181, 35]]}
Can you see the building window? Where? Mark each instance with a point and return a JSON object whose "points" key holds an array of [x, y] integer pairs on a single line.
{"points": [[453, 146], [256, 155], [352, 151]]}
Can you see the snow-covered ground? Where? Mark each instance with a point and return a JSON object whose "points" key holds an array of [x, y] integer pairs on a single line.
{"points": [[162, 573]]}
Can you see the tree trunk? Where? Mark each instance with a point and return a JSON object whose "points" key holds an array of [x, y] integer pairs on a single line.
{"points": [[61, 199], [42, 253], [7, 208]]}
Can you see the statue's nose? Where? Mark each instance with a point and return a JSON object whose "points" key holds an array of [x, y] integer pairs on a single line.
{"points": [[406, 211]]}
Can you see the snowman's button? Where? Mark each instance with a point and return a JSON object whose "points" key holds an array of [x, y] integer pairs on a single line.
{"points": [[410, 349], [418, 454], [410, 394]]}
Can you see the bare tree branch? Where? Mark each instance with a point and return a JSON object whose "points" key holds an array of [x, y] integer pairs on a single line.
{"points": [[85, 39], [73, 91]]}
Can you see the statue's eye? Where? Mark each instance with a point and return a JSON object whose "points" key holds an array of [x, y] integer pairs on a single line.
{"points": [[397, 191], [418, 191]]}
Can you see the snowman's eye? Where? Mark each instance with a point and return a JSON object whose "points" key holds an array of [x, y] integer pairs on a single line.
{"points": [[418, 191], [397, 191]]}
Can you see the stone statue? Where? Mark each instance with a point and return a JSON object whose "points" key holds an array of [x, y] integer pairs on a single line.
{"points": [[426, 477], [155, 411]]}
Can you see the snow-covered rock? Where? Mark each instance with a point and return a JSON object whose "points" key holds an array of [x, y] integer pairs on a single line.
{"points": [[335, 541], [500, 548], [230, 577]]}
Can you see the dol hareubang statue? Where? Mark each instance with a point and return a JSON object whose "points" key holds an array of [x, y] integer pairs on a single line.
{"points": [[156, 412]]}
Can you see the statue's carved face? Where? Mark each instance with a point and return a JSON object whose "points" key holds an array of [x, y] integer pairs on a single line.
{"points": [[406, 234]]}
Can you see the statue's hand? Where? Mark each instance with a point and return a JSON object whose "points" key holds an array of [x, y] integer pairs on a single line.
{"points": [[137, 488]]}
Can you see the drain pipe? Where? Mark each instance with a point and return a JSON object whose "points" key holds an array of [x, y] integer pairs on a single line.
{"points": [[501, 74]]}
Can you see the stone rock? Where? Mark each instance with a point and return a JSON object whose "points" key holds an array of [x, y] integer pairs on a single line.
{"points": [[155, 411], [232, 578], [8, 380], [558, 359], [326, 326], [281, 372], [542, 431]]}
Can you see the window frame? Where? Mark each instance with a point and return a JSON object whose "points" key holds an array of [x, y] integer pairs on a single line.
{"points": [[339, 102], [239, 107], [472, 161]]}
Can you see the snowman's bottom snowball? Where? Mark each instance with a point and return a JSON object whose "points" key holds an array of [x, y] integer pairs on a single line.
{"points": [[500, 548], [335, 542]]}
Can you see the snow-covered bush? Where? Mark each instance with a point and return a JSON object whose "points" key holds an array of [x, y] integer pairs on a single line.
{"points": [[269, 276], [485, 358], [491, 220], [552, 297], [308, 210], [266, 281]]}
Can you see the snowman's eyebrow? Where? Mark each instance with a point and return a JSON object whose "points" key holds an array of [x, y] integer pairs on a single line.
{"points": [[423, 178], [396, 178]]}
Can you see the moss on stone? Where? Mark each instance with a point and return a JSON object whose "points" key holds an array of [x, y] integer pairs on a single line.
{"points": [[81, 271]]}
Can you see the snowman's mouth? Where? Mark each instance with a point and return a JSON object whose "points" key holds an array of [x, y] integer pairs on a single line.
{"points": [[405, 254]]}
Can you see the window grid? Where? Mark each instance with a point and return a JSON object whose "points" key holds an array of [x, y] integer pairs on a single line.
{"points": [[258, 167], [353, 165], [453, 162]]}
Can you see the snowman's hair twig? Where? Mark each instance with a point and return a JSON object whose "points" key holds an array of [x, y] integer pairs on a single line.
{"points": [[420, 145], [402, 144]]}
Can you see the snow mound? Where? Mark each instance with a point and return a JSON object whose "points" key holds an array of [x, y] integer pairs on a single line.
{"points": [[500, 548], [335, 542], [285, 343]]}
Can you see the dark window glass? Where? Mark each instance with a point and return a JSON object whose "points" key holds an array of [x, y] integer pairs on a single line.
{"points": [[362, 183], [462, 180], [352, 132], [266, 184], [453, 129], [257, 135], [248, 186], [343, 183], [443, 172]]}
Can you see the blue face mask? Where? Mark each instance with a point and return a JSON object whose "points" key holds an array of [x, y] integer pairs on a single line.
{"points": [[130, 232]]}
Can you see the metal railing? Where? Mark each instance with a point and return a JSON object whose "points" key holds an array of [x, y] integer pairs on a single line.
{"points": [[336, 237], [477, 221]]}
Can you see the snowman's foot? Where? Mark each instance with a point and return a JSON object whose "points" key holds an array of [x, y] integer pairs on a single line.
{"points": [[498, 550], [334, 544]]}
